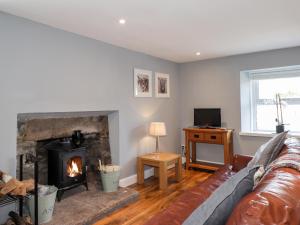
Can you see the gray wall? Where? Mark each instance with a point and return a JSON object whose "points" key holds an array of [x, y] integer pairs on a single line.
{"points": [[43, 69], [216, 83]]}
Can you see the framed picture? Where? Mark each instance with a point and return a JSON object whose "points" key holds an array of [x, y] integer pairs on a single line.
{"points": [[162, 85], [142, 83]]}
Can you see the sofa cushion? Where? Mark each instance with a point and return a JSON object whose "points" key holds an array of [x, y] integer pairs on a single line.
{"points": [[277, 148], [224, 209], [219, 205], [265, 152]]}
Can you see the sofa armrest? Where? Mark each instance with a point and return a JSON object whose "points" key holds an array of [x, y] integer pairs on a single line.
{"points": [[240, 161]]}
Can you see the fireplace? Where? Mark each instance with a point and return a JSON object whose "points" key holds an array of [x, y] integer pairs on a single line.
{"points": [[47, 135], [66, 166]]}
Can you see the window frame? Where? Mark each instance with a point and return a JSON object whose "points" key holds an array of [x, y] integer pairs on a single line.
{"points": [[251, 78]]}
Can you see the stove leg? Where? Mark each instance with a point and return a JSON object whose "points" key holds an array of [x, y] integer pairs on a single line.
{"points": [[86, 185], [59, 194]]}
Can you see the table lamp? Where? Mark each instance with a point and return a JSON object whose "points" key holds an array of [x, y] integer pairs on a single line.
{"points": [[157, 129]]}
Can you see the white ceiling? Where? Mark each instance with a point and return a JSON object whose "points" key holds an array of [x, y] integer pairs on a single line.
{"points": [[173, 29]]}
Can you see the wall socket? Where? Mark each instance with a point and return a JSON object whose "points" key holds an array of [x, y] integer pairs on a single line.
{"points": [[183, 150], [183, 154]]}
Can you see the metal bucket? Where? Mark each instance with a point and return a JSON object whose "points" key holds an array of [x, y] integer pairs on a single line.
{"points": [[110, 181], [46, 205], [7, 204]]}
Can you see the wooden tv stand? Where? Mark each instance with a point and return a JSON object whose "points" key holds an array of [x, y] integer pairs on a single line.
{"points": [[220, 136]]}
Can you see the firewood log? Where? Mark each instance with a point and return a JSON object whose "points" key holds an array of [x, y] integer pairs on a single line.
{"points": [[28, 220], [2, 184], [6, 177], [10, 222], [10, 186], [29, 184], [21, 190], [16, 218], [15, 187]]}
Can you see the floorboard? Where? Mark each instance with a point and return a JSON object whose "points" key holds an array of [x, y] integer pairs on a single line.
{"points": [[152, 200]]}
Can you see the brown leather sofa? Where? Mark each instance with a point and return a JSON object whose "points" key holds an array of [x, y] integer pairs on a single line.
{"points": [[276, 200]]}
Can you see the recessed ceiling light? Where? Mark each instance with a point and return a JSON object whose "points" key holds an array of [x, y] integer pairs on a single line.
{"points": [[122, 21], [198, 53]]}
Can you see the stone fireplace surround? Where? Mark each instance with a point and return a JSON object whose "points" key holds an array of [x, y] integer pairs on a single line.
{"points": [[38, 129], [79, 206]]}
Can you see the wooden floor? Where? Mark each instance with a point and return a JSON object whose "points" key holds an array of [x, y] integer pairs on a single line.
{"points": [[152, 200]]}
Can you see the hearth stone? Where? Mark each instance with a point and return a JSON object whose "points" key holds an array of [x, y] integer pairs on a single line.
{"points": [[87, 207]]}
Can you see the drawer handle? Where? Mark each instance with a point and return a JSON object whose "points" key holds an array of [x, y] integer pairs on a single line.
{"points": [[213, 137], [196, 136]]}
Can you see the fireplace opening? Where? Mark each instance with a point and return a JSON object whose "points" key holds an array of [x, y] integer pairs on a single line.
{"points": [[74, 167]]}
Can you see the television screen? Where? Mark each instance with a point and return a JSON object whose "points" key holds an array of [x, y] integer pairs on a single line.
{"points": [[207, 117]]}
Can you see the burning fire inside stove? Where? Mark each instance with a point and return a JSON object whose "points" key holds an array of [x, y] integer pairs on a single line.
{"points": [[74, 167]]}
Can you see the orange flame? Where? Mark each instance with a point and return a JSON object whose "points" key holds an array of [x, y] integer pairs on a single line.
{"points": [[73, 169]]}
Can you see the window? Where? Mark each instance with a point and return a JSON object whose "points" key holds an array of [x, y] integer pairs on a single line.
{"points": [[258, 90]]}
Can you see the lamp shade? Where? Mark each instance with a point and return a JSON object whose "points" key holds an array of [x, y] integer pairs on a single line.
{"points": [[158, 129]]}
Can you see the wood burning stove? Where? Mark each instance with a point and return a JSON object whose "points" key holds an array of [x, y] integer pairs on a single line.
{"points": [[66, 166]]}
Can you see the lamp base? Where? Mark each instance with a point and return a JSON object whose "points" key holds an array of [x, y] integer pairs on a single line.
{"points": [[157, 144]]}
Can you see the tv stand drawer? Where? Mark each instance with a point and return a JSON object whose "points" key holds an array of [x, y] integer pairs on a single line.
{"points": [[198, 137], [213, 138], [201, 137]]}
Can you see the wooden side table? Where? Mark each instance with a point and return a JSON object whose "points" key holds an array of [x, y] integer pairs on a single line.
{"points": [[160, 161]]}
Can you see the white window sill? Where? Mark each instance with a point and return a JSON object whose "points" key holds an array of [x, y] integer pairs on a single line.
{"points": [[266, 134]]}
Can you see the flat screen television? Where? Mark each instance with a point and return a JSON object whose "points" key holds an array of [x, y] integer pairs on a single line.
{"points": [[209, 117]]}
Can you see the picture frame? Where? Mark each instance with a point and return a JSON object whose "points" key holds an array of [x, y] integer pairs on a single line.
{"points": [[162, 85], [142, 83]]}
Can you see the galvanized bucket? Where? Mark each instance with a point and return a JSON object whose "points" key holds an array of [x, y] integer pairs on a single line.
{"points": [[46, 205], [110, 181]]}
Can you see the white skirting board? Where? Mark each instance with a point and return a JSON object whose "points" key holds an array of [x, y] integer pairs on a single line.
{"points": [[127, 181]]}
